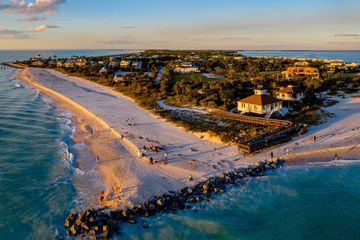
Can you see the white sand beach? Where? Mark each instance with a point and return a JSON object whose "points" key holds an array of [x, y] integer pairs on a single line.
{"points": [[116, 129]]}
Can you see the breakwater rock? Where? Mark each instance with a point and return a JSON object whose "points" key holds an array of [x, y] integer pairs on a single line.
{"points": [[103, 223]]}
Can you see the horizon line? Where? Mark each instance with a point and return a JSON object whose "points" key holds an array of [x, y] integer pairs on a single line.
{"points": [[173, 49]]}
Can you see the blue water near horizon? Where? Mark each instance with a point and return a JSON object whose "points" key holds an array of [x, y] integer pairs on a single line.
{"points": [[39, 185], [346, 56], [13, 55]]}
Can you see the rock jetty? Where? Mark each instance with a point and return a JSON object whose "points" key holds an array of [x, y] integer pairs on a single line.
{"points": [[102, 223]]}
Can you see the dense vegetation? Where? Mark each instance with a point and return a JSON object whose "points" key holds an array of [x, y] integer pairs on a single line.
{"points": [[240, 75]]}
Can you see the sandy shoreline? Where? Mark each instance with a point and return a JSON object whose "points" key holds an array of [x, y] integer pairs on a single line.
{"points": [[102, 119]]}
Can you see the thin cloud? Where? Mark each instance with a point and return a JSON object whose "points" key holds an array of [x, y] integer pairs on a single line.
{"points": [[235, 38], [33, 19], [12, 34], [343, 43], [355, 35], [119, 42], [129, 27], [42, 28]]}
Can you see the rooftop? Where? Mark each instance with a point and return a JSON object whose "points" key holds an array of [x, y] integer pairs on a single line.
{"points": [[260, 99], [291, 89]]}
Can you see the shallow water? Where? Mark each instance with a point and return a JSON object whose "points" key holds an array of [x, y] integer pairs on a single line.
{"points": [[293, 203], [35, 183]]}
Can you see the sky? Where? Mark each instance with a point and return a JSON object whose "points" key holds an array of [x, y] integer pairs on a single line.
{"points": [[180, 24]]}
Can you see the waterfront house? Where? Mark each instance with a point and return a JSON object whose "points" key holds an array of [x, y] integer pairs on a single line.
{"points": [[259, 103], [187, 67], [290, 93], [60, 64], [125, 63], [69, 64], [352, 65], [81, 62], [301, 72], [38, 63], [238, 58]]}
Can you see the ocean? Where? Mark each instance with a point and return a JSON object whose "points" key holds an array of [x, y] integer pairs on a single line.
{"points": [[347, 56], [40, 184], [13, 55]]}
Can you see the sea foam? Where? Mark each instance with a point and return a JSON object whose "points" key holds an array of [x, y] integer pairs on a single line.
{"points": [[337, 162]]}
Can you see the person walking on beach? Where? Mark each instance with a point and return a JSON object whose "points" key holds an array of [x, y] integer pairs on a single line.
{"points": [[314, 138], [271, 154], [336, 156], [151, 161], [191, 178]]}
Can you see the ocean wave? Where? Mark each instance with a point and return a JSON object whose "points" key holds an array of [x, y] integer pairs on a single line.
{"points": [[68, 158], [37, 94], [338, 162], [65, 119], [66, 155]]}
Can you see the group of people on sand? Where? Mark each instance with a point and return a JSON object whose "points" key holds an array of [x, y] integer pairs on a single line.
{"points": [[164, 160]]}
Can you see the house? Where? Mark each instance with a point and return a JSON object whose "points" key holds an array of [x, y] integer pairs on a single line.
{"points": [[60, 64], [351, 65], [300, 72], [114, 58], [290, 93], [114, 64], [104, 63], [81, 62], [118, 78], [187, 67], [301, 64], [259, 103], [125, 63], [103, 71], [137, 65], [69, 64], [38, 63], [332, 66]]}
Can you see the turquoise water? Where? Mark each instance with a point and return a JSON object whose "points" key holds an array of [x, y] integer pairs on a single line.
{"points": [[347, 56], [293, 203], [39, 184], [35, 178]]}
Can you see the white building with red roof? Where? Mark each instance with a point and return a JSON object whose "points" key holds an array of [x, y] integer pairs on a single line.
{"points": [[259, 103]]}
